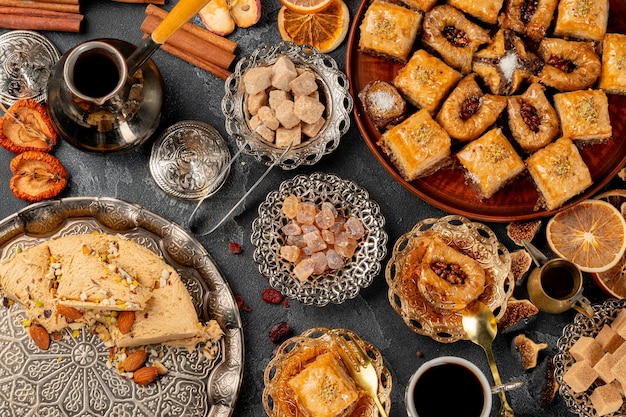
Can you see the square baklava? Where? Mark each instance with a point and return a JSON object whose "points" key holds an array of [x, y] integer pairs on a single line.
{"points": [[418, 146], [426, 80], [584, 115], [559, 173], [485, 10], [389, 31], [613, 75], [422, 5], [582, 19], [490, 163]]}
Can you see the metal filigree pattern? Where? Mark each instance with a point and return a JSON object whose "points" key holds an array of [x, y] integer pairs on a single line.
{"points": [[26, 61], [334, 287], [302, 350], [334, 92], [580, 403], [473, 239], [72, 378]]}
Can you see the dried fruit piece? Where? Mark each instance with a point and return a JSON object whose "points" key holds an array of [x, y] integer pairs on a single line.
{"points": [[26, 126], [241, 305], [528, 349], [40, 336], [69, 313], [135, 360], [518, 231], [516, 311], [234, 248], [37, 176], [145, 375], [125, 321], [552, 386], [272, 296], [280, 332], [520, 264]]}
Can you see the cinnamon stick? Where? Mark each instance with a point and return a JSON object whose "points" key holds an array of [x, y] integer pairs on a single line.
{"points": [[37, 19], [29, 4], [186, 41], [197, 61], [160, 2], [56, 1], [208, 36]]}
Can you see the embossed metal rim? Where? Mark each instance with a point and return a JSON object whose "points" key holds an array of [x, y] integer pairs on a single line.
{"points": [[40, 68], [340, 285], [195, 386], [334, 84], [580, 403], [477, 241]]}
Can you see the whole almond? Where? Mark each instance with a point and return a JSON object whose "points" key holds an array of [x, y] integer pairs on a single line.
{"points": [[125, 321], [145, 375], [135, 360], [40, 336], [70, 313]]}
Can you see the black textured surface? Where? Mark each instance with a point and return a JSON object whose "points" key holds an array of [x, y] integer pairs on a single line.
{"points": [[192, 94]]}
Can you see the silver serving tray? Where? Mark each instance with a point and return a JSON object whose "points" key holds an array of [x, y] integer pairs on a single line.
{"points": [[72, 377]]}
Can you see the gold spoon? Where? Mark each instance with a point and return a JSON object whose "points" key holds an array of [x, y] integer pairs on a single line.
{"points": [[480, 326]]}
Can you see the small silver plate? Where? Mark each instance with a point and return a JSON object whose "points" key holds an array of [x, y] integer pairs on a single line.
{"points": [[72, 379], [187, 160], [26, 61]]}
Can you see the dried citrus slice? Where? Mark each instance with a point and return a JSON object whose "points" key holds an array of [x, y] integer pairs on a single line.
{"points": [[324, 30], [591, 234], [616, 197], [306, 6], [613, 280]]}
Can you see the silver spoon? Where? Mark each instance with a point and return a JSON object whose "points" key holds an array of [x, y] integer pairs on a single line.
{"points": [[480, 326]]}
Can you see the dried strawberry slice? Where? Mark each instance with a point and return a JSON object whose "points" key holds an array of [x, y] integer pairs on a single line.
{"points": [[37, 176], [26, 127]]}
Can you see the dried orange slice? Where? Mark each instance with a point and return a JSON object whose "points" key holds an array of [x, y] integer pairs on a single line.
{"points": [[26, 127], [324, 30], [37, 176], [591, 234], [306, 6]]}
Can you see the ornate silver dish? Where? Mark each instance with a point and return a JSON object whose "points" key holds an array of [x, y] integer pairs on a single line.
{"points": [[474, 240], [72, 377], [334, 92], [334, 287], [580, 403]]}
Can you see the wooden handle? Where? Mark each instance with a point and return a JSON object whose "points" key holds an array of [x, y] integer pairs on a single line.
{"points": [[180, 14]]}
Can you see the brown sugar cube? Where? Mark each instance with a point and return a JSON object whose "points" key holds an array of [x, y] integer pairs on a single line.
{"points": [[308, 109], [283, 72], [286, 136], [255, 101], [304, 84], [619, 323], [609, 339], [580, 376], [276, 97], [312, 129], [620, 352], [619, 369], [268, 117], [586, 349], [257, 79], [604, 368], [286, 116], [265, 132], [606, 399]]}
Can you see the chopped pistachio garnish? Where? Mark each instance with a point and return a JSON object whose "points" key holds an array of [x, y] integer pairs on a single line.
{"points": [[328, 390], [621, 63], [582, 8], [423, 75], [421, 135], [561, 165], [383, 28], [587, 110], [495, 153]]}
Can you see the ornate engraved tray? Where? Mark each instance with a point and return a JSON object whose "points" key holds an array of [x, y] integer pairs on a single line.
{"points": [[71, 378]]}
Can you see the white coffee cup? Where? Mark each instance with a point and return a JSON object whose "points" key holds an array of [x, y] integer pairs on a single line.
{"points": [[449, 394]]}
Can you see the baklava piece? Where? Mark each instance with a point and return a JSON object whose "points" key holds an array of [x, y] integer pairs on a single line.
{"points": [[420, 5], [383, 104], [485, 10], [532, 119], [569, 65], [582, 19], [453, 36], [389, 31], [324, 388], [530, 18], [425, 80], [613, 75], [490, 163], [584, 115], [559, 173], [505, 63], [418, 146], [468, 112]]}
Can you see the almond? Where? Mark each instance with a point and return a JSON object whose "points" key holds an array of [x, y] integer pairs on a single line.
{"points": [[125, 321], [69, 313], [40, 336], [161, 369], [145, 375], [135, 360]]}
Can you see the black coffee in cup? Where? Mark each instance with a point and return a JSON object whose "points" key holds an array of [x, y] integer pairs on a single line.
{"points": [[558, 281], [448, 390], [96, 74]]}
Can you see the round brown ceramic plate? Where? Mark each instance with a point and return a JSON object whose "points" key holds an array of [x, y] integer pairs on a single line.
{"points": [[446, 189]]}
